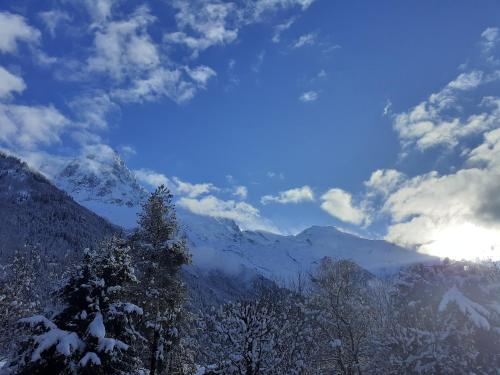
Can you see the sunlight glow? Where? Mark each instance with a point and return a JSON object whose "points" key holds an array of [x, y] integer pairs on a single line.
{"points": [[465, 241]]}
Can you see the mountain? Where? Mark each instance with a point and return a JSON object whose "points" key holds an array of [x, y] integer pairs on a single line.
{"points": [[104, 184], [101, 182], [35, 212]]}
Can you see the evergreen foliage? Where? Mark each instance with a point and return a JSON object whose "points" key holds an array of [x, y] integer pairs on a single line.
{"points": [[94, 332], [161, 252]]}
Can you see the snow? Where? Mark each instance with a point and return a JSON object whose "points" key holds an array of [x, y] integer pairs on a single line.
{"points": [[106, 186], [90, 357], [474, 311], [96, 327], [35, 320], [66, 343], [108, 344], [133, 309]]}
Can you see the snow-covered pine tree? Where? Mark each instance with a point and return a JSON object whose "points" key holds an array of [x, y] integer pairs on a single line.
{"points": [[445, 319], [21, 292], [94, 332], [161, 253]]}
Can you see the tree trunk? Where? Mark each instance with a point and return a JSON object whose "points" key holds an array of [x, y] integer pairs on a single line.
{"points": [[154, 352]]}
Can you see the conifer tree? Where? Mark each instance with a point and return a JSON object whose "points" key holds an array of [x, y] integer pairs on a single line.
{"points": [[21, 292], [161, 253], [94, 331]]}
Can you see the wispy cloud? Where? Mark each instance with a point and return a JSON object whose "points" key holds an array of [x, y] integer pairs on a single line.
{"points": [[309, 96], [305, 40], [281, 28], [53, 19]]}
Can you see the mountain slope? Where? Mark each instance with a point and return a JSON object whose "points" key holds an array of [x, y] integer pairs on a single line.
{"points": [[101, 182], [105, 185], [33, 211]]}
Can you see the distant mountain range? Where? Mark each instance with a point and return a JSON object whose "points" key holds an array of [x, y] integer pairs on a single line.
{"points": [[106, 186]]}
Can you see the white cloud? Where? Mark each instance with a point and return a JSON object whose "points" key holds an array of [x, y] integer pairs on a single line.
{"points": [[124, 48], [309, 96], [203, 24], [467, 81], [241, 192], [305, 40], [128, 150], [387, 108], [160, 83], [92, 109], [257, 66], [384, 181], [276, 175], [281, 28], [338, 203], [29, 127], [208, 22], [263, 6], [99, 10], [192, 190], [10, 83], [429, 124], [176, 185], [152, 178], [297, 195], [433, 212], [244, 214], [491, 36], [53, 19], [201, 74], [14, 30]]}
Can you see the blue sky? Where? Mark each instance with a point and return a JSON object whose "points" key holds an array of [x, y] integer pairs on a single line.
{"points": [[377, 117]]}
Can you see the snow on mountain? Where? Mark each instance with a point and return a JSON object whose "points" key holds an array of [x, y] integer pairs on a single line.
{"points": [[105, 185], [35, 212], [102, 182]]}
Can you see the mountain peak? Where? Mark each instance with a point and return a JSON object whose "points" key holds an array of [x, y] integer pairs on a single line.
{"points": [[101, 177]]}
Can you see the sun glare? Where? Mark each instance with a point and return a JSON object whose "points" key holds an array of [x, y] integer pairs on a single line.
{"points": [[465, 242]]}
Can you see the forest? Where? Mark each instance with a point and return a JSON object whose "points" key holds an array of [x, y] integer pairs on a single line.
{"points": [[124, 308]]}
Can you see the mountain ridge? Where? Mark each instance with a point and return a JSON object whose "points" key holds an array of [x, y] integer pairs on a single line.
{"points": [[218, 243]]}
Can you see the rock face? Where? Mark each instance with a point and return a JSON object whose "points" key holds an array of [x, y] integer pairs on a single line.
{"points": [[35, 212]]}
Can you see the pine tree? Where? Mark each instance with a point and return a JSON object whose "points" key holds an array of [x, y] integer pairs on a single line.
{"points": [[94, 332], [161, 253], [22, 292], [444, 316]]}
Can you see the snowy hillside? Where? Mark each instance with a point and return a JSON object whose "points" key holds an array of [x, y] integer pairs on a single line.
{"points": [[34, 212], [106, 186]]}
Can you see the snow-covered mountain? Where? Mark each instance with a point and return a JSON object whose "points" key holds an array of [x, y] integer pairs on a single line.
{"points": [[105, 185], [34, 212]]}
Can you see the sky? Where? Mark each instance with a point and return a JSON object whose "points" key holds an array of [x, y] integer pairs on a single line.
{"points": [[380, 118]]}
